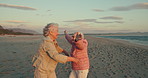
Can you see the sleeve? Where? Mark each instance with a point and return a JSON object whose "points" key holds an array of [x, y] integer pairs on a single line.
{"points": [[50, 48], [59, 49], [68, 38], [81, 44]]}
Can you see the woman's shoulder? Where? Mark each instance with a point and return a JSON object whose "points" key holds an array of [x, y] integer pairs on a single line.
{"points": [[84, 40]]}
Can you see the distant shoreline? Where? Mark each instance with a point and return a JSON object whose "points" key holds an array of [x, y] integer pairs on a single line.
{"points": [[136, 41]]}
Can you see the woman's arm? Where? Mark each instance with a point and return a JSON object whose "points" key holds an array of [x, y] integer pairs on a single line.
{"points": [[50, 49], [72, 59], [68, 37]]}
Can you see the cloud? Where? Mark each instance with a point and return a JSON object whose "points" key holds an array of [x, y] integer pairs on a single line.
{"points": [[112, 18], [118, 21], [131, 7], [110, 22], [84, 29], [103, 22], [48, 10], [88, 27], [17, 7], [98, 10], [83, 20], [16, 21]]}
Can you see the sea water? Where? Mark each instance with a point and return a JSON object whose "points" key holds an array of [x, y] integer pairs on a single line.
{"points": [[143, 40]]}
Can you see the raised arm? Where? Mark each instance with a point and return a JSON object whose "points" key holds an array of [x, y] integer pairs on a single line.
{"points": [[68, 37]]}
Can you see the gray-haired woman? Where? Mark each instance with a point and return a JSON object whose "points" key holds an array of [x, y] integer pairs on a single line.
{"points": [[47, 57]]}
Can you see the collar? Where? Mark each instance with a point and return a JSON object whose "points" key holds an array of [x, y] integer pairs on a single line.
{"points": [[49, 39]]}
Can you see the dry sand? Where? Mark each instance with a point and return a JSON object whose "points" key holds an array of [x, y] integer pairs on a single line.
{"points": [[109, 58]]}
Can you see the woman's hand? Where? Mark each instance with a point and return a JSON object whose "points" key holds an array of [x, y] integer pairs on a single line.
{"points": [[74, 36], [75, 60], [77, 36], [65, 32]]}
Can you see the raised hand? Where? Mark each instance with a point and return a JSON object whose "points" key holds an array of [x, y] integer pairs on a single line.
{"points": [[65, 32], [75, 35], [76, 60]]}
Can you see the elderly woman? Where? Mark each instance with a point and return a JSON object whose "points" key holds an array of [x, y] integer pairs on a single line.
{"points": [[47, 57], [78, 50]]}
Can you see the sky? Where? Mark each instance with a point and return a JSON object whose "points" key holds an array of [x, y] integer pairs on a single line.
{"points": [[87, 16]]}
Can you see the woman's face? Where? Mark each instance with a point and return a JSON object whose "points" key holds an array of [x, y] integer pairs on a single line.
{"points": [[55, 34], [77, 36]]}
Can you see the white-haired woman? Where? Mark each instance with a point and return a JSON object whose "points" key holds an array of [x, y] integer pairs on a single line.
{"points": [[79, 51], [48, 55]]}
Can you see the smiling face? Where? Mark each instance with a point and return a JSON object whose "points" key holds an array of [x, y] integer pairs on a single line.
{"points": [[54, 33]]}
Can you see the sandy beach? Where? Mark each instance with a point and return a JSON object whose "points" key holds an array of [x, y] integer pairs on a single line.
{"points": [[109, 58]]}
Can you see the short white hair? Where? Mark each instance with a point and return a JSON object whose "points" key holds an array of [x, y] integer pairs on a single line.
{"points": [[50, 27]]}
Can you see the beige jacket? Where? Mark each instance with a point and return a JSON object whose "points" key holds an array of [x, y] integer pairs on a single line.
{"points": [[48, 55]]}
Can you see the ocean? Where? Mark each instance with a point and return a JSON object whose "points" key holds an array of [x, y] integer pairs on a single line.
{"points": [[143, 40]]}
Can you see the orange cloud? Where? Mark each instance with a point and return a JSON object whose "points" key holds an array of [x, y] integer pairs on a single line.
{"points": [[16, 21], [17, 7]]}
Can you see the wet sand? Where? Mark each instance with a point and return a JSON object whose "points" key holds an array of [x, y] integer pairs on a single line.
{"points": [[109, 58]]}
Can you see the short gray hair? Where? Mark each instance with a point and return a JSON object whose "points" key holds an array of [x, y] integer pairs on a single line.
{"points": [[50, 27]]}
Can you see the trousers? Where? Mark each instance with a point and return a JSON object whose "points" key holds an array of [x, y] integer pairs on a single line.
{"points": [[79, 73], [44, 74]]}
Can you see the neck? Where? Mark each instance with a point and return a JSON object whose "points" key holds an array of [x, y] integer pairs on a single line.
{"points": [[51, 37]]}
